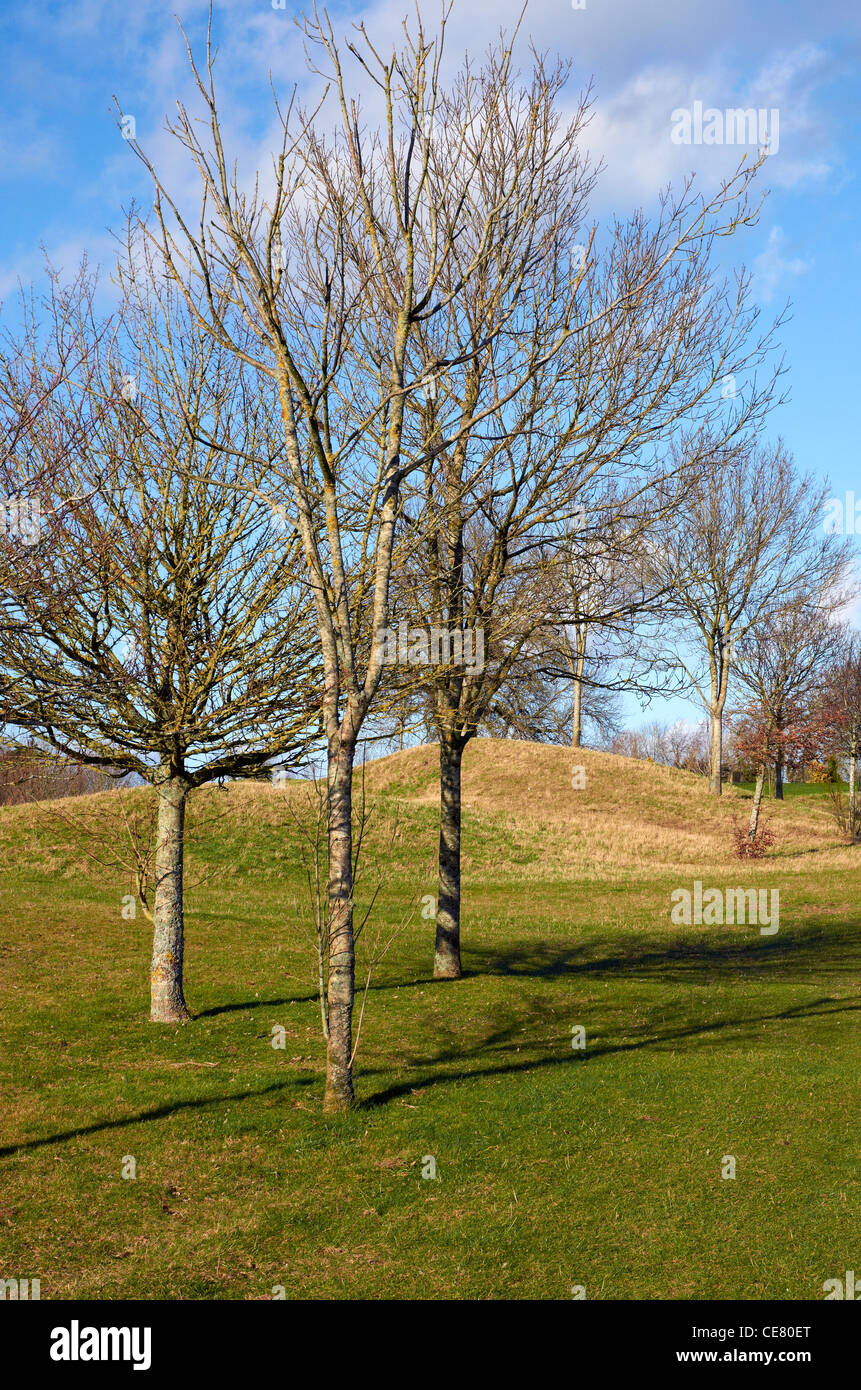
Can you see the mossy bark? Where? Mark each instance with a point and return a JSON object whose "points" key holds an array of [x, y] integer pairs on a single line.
{"points": [[338, 1094], [447, 955], [167, 1000]]}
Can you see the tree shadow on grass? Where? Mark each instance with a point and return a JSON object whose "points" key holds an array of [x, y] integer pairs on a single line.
{"points": [[711, 958], [311, 996], [249, 1004], [426, 1073], [159, 1112], [705, 960], [691, 962]]}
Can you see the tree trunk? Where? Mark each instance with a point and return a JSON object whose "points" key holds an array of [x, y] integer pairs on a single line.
{"points": [[719, 661], [853, 755], [342, 962], [167, 1001], [446, 964], [715, 774], [778, 778], [577, 721], [757, 801]]}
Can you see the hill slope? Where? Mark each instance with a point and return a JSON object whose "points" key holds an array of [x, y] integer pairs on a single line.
{"points": [[632, 815], [523, 815]]}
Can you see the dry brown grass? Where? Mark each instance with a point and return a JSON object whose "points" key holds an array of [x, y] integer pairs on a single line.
{"points": [[633, 819]]}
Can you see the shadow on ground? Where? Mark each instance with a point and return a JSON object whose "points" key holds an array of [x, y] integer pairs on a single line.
{"points": [[532, 1027]]}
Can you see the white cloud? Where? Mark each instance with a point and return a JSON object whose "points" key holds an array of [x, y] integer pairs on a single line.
{"points": [[772, 268], [633, 124], [648, 60]]}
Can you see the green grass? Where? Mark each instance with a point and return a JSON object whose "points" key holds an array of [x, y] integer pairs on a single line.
{"points": [[792, 789], [555, 1167]]}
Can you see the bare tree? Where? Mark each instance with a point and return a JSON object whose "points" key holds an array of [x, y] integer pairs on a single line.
{"points": [[178, 641], [593, 602], [781, 661], [599, 601], [595, 358], [36, 368], [30, 774], [743, 540], [671, 745], [839, 707], [364, 240]]}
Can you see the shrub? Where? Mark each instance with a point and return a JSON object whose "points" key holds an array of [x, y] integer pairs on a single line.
{"points": [[756, 848], [839, 808]]}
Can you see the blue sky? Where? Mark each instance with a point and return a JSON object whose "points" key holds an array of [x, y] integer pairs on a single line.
{"points": [[66, 173]]}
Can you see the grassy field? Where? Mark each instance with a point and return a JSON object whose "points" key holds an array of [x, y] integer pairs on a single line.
{"points": [[790, 789], [555, 1167]]}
